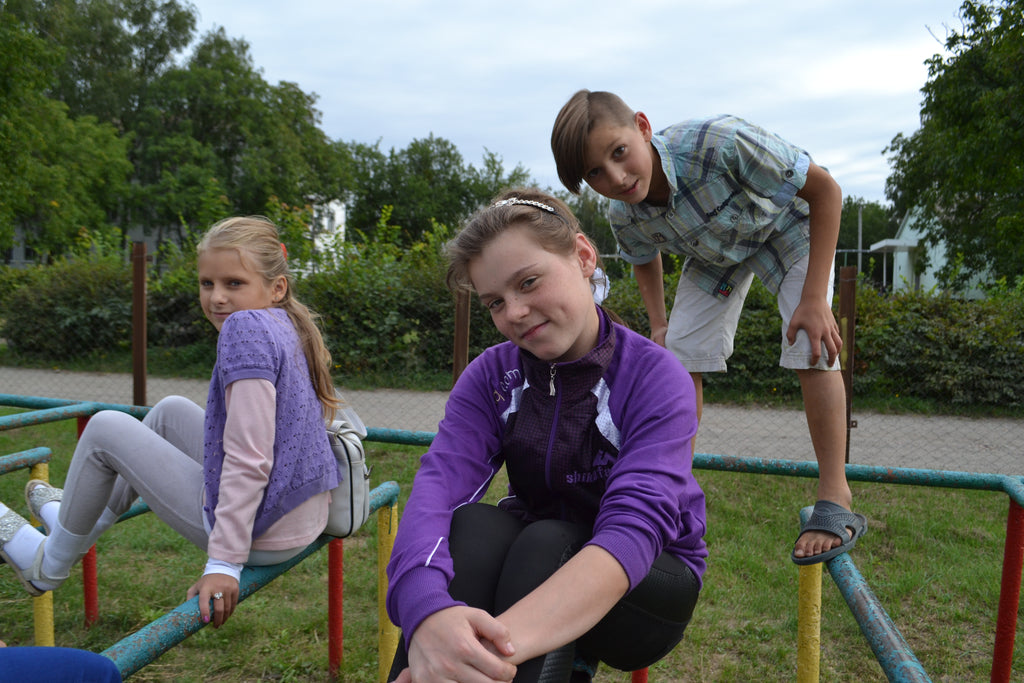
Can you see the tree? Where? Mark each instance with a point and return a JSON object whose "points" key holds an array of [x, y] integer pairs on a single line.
{"points": [[427, 181], [213, 135], [490, 179], [217, 118], [24, 61], [964, 167], [591, 210], [59, 176], [112, 50], [205, 136]]}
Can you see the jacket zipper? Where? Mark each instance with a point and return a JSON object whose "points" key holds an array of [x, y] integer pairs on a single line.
{"points": [[554, 428]]}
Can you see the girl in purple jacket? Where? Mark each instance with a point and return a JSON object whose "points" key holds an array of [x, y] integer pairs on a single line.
{"points": [[597, 552]]}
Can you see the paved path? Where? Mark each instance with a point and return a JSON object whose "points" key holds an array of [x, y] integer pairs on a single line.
{"points": [[973, 445]]}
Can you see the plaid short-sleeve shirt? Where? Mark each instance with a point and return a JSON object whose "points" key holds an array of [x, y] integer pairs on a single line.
{"points": [[733, 203]]}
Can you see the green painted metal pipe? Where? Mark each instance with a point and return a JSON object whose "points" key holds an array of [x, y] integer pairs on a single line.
{"points": [[24, 459], [143, 647]]}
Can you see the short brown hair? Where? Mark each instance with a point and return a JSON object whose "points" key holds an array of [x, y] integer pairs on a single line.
{"points": [[573, 125]]}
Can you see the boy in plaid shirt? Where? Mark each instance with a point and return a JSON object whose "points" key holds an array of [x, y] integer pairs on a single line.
{"points": [[736, 201]]}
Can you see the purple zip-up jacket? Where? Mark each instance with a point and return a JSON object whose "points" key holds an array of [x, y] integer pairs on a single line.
{"points": [[604, 440]]}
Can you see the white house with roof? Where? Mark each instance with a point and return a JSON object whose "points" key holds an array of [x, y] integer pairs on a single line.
{"points": [[909, 249]]}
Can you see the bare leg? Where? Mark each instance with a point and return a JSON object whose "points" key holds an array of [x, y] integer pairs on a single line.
{"points": [[825, 406]]}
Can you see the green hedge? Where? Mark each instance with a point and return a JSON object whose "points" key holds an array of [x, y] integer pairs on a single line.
{"points": [[954, 352], [389, 320], [70, 309]]}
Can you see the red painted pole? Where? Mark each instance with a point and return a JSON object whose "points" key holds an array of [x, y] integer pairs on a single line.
{"points": [[1009, 595], [640, 676], [90, 584], [335, 608], [90, 588]]}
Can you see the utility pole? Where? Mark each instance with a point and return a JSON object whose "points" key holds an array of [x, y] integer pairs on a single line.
{"points": [[860, 234]]}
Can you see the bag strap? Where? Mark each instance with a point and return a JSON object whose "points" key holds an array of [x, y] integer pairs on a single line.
{"points": [[346, 414]]}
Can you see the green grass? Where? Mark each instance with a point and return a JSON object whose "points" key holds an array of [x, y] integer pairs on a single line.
{"points": [[932, 556]]}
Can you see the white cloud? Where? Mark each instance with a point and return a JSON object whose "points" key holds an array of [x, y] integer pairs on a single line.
{"points": [[869, 70], [840, 78]]}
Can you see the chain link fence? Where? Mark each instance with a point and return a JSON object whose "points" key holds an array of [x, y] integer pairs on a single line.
{"points": [[990, 445]]}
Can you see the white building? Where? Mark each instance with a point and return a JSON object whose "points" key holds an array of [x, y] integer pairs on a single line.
{"points": [[909, 248]]}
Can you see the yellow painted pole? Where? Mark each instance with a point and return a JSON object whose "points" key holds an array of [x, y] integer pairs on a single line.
{"points": [[42, 607], [387, 633], [808, 637]]}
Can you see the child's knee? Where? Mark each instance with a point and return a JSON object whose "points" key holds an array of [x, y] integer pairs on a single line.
{"points": [[108, 421]]}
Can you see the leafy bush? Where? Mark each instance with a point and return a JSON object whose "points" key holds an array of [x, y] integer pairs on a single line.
{"points": [[952, 351], [625, 302], [389, 320], [174, 316], [72, 308], [11, 279], [909, 345], [387, 312]]}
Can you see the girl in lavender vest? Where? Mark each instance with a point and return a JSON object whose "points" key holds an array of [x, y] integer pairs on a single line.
{"points": [[246, 480], [597, 552]]}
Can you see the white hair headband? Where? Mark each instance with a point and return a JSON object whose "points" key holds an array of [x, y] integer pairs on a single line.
{"points": [[516, 200]]}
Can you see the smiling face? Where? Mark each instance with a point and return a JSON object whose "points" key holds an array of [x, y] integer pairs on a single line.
{"points": [[228, 283], [538, 299], [620, 163]]}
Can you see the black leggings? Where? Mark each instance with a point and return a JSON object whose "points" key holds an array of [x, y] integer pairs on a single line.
{"points": [[499, 559]]}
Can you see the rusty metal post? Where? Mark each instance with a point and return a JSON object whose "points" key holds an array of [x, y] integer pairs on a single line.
{"points": [[139, 323], [460, 357], [847, 324]]}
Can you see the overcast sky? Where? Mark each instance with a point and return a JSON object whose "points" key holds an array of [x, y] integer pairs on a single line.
{"points": [[839, 78]]}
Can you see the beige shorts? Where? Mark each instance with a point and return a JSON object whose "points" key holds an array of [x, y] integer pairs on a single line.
{"points": [[702, 327]]}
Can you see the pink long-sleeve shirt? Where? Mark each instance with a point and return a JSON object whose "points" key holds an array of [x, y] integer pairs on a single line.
{"points": [[248, 459]]}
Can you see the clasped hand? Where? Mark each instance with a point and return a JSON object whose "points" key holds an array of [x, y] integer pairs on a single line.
{"points": [[461, 644]]}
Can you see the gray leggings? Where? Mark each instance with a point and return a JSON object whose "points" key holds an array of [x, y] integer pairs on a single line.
{"points": [[160, 459]]}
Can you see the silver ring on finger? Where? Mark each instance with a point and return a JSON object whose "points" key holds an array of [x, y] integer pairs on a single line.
{"points": [[218, 595]]}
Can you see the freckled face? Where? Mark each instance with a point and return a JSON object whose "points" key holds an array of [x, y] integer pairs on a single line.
{"points": [[539, 300], [228, 283]]}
